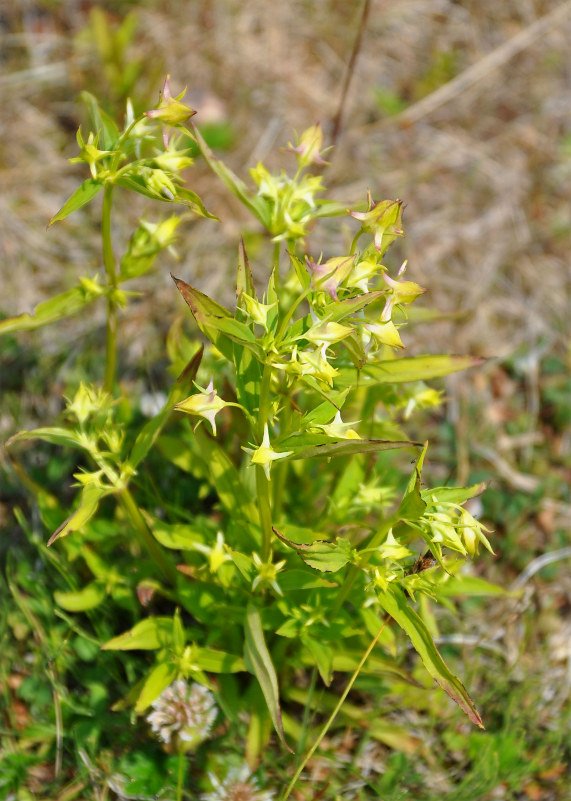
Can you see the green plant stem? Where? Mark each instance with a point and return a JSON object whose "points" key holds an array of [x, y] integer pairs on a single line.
{"points": [[332, 717], [265, 509], [281, 468], [262, 484], [145, 537], [180, 775], [109, 264]]}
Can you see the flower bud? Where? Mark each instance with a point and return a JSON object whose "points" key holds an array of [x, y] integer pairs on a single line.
{"points": [[337, 429], [331, 274], [170, 110], [256, 311], [382, 220], [308, 147], [207, 404], [384, 334]]}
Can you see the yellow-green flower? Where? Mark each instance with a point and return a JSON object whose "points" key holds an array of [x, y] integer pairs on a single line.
{"points": [[264, 455], [170, 110], [207, 404], [382, 220]]}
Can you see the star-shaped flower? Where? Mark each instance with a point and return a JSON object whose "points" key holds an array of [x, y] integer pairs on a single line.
{"points": [[264, 455]]}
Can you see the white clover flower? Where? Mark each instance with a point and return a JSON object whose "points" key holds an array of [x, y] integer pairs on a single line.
{"points": [[239, 785], [183, 710]]}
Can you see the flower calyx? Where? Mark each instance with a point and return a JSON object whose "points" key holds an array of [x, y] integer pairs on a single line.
{"points": [[205, 404], [264, 455]]}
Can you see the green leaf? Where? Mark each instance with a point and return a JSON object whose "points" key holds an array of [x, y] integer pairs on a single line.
{"points": [[394, 603], [472, 586], [158, 680], [328, 557], [244, 564], [49, 311], [88, 597], [259, 662], [338, 311], [322, 657], [301, 271], [53, 435], [101, 122], [248, 371], [82, 195], [457, 495], [147, 436], [296, 580], [244, 280], [309, 446], [225, 478], [137, 182], [398, 371], [412, 506], [217, 323], [214, 661], [148, 635], [89, 499], [193, 202], [324, 412], [177, 536], [256, 204]]}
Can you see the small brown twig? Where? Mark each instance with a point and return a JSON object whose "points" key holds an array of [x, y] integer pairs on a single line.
{"points": [[337, 119]]}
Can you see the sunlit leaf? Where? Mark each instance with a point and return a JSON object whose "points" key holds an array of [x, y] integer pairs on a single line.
{"points": [[259, 662], [49, 311], [89, 499], [398, 371], [156, 682], [395, 604], [82, 195], [88, 597], [148, 635]]}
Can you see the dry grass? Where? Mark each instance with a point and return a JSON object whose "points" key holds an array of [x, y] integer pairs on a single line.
{"points": [[484, 175]]}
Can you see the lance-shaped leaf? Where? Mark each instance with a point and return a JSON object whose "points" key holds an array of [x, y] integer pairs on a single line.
{"points": [[147, 436], [454, 494], [148, 635], [158, 680], [217, 323], [338, 311], [248, 371], [259, 662], [328, 557], [398, 371], [255, 203], [82, 195], [322, 414], [137, 182], [412, 506], [394, 603], [309, 446], [244, 279], [50, 311], [89, 499], [215, 661], [53, 435]]}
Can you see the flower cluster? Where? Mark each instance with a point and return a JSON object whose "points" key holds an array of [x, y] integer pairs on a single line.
{"points": [[238, 785], [184, 711]]}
